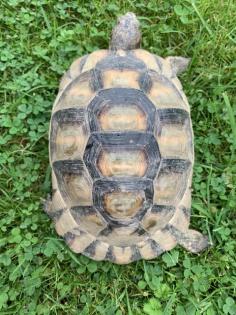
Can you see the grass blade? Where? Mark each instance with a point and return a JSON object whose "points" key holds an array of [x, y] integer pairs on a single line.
{"points": [[232, 123]]}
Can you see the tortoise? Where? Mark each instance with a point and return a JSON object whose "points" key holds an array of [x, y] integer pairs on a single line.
{"points": [[121, 152]]}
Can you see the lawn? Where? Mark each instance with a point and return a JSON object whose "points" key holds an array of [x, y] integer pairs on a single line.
{"points": [[38, 274]]}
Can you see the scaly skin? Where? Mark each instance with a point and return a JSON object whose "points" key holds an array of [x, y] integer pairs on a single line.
{"points": [[126, 34]]}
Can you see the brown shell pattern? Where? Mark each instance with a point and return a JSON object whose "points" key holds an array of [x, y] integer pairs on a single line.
{"points": [[121, 151]]}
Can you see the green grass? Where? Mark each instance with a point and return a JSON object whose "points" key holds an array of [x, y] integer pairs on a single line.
{"points": [[38, 274]]}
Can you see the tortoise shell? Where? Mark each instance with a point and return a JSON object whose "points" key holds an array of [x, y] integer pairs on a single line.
{"points": [[121, 152]]}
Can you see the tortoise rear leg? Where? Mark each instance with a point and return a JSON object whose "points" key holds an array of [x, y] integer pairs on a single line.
{"points": [[53, 207], [47, 204], [192, 240]]}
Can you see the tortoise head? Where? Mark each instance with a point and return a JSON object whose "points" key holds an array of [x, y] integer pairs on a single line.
{"points": [[126, 34]]}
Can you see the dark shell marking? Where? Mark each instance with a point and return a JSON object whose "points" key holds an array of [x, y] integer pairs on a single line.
{"points": [[121, 150], [123, 142], [120, 97], [121, 63]]}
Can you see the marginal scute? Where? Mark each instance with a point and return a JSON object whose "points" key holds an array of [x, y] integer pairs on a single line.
{"points": [[81, 241], [149, 249], [122, 254], [180, 220], [75, 68], [66, 79], [57, 202], [66, 223], [100, 251], [177, 83], [123, 236], [148, 59], [93, 59], [121, 62]]}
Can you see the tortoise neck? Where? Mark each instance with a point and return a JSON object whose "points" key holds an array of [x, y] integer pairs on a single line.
{"points": [[126, 34]]}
